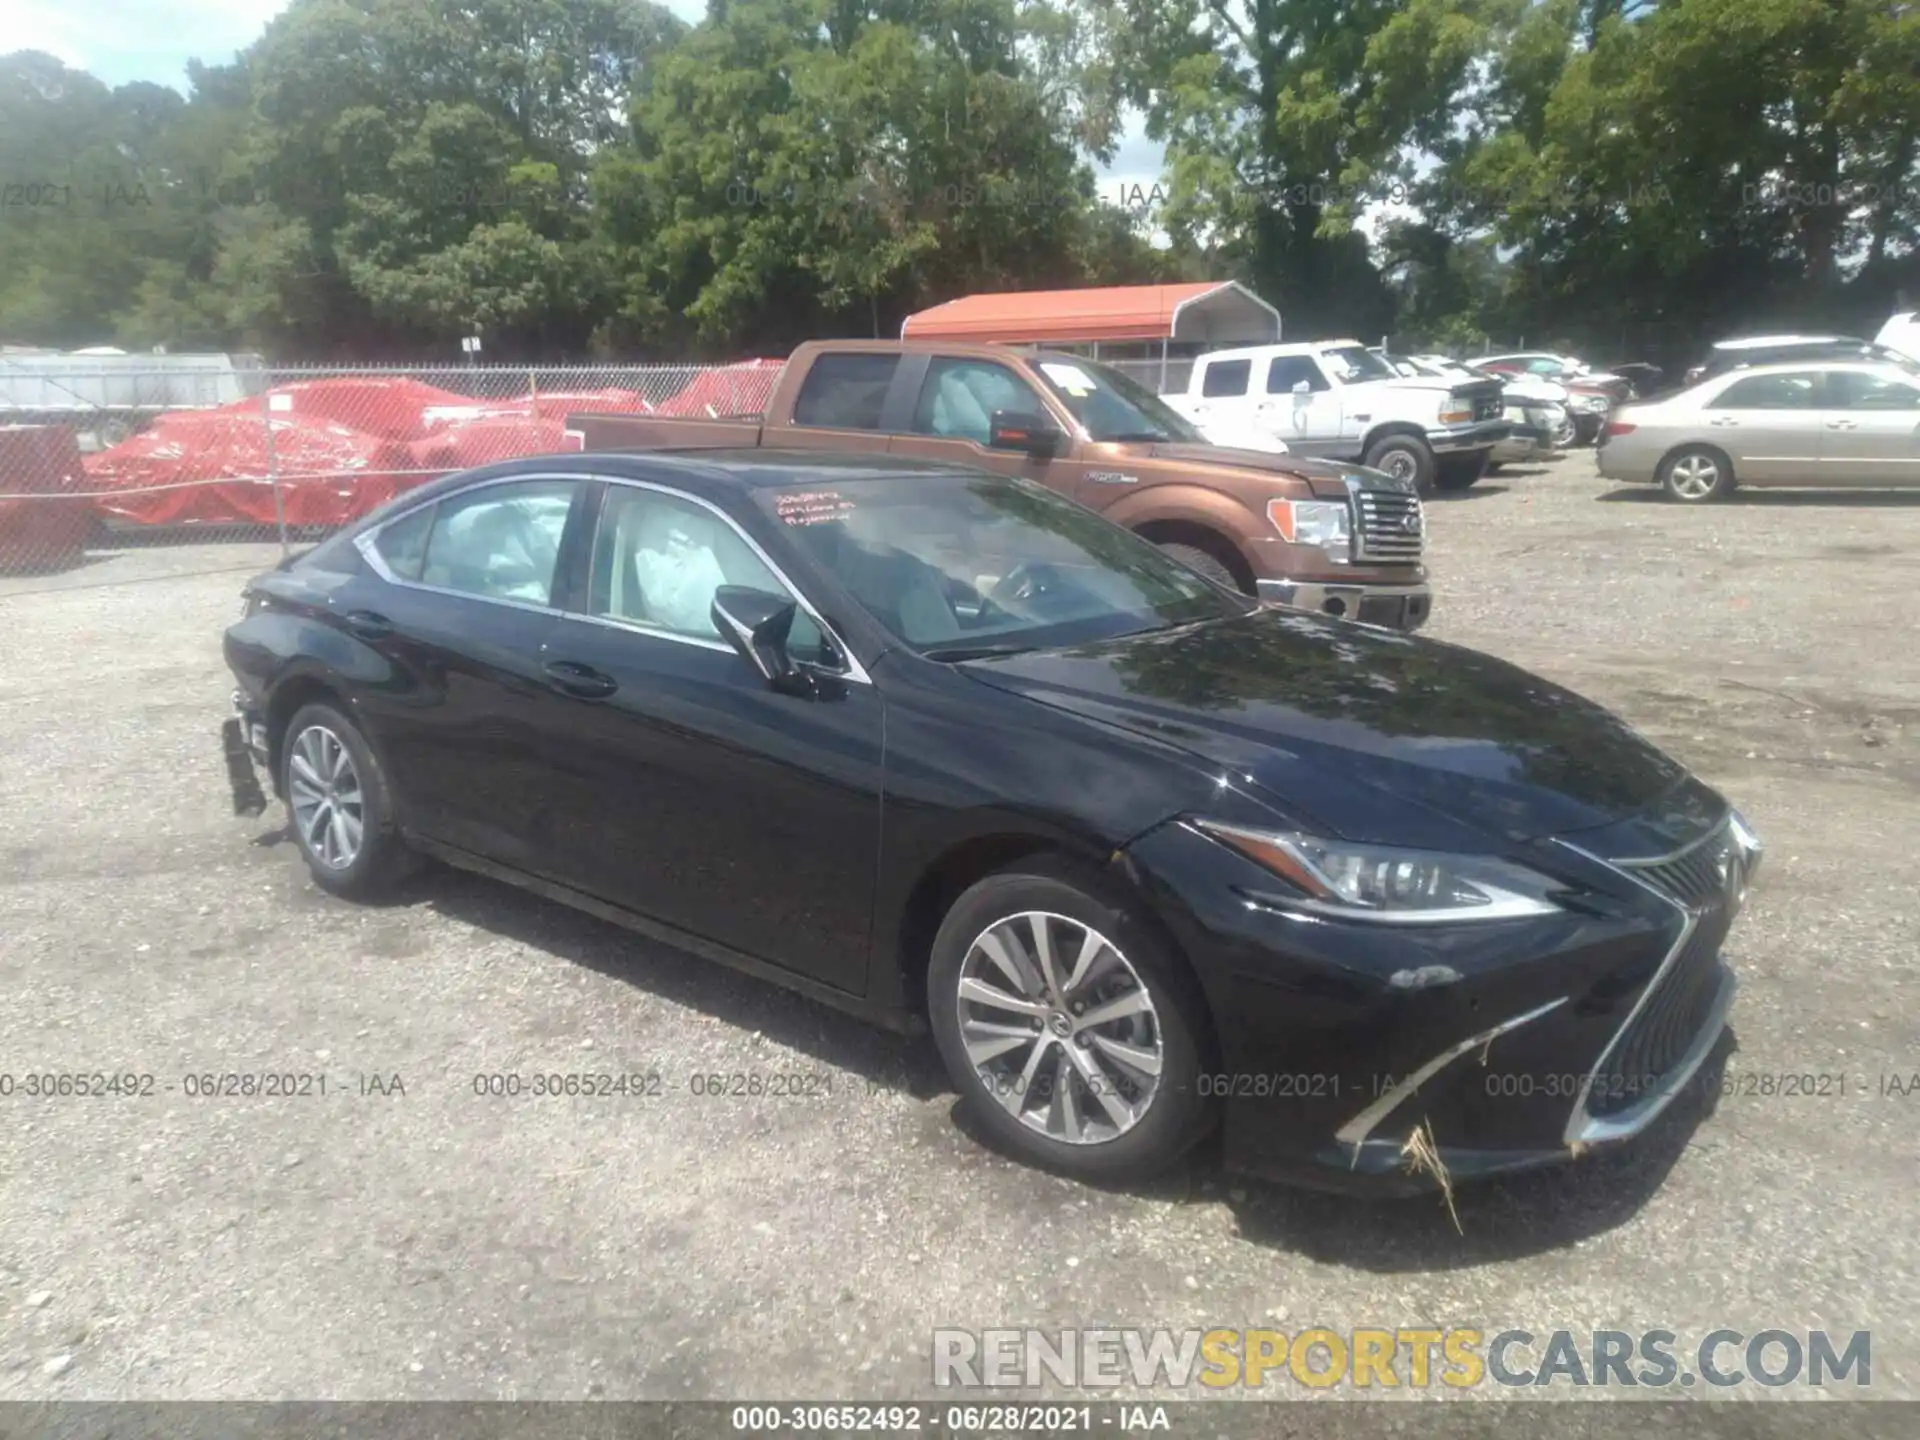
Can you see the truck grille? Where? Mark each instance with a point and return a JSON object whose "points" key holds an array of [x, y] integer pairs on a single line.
{"points": [[1393, 529]]}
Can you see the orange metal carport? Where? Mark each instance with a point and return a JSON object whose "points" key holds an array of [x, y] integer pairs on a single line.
{"points": [[1205, 314]]}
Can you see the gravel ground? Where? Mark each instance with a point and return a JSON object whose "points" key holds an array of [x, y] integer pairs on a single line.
{"points": [[401, 1237]]}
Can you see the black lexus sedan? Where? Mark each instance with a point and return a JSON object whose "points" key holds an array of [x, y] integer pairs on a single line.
{"points": [[945, 749]]}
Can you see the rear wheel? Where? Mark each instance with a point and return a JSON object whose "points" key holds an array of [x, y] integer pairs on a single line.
{"points": [[1073, 1035], [1405, 457], [340, 806], [1697, 475], [1207, 563]]}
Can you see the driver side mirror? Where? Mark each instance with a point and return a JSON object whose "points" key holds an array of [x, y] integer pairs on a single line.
{"points": [[757, 623], [1022, 430]]}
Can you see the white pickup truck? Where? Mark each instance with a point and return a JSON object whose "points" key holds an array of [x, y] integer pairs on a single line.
{"points": [[1332, 399]]}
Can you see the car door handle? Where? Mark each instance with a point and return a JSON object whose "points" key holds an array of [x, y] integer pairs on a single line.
{"points": [[1843, 424], [368, 625], [1724, 421], [581, 681]]}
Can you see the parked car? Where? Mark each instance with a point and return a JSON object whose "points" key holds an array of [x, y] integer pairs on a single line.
{"points": [[1833, 423], [1535, 408], [1304, 532], [1902, 334], [1332, 398], [1774, 349], [947, 750], [1646, 379], [1592, 396]]}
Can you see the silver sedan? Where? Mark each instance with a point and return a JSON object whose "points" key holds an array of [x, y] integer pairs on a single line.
{"points": [[1810, 424]]}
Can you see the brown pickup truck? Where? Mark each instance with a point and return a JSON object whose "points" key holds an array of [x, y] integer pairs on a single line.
{"points": [[1316, 534]]}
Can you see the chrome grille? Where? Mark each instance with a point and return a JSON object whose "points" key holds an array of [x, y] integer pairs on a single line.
{"points": [[1664, 1030], [1393, 528], [1694, 876]]}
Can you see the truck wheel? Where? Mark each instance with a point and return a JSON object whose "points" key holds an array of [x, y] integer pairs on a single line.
{"points": [[1458, 472], [1405, 457], [1194, 558]]}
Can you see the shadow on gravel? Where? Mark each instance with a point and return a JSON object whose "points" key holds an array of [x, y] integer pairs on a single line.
{"points": [[1479, 491], [883, 1060], [1784, 499], [1501, 1219]]}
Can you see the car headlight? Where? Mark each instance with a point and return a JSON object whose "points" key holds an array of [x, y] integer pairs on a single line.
{"points": [[1389, 885], [1326, 523]]}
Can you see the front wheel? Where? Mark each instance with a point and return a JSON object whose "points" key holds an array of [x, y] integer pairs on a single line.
{"points": [[1405, 457], [340, 806], [1697, 475], [1207, 563], [1073, 1035]]}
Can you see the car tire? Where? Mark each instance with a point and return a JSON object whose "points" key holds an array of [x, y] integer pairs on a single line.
{"points": [[1459, 472], [997, 1086], [1207, 563], [1697, 475], [355, 849], [1406, 456]]}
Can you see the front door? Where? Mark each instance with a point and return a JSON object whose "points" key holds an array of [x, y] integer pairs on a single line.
{"points": [[689, 790], [1870, 430]]}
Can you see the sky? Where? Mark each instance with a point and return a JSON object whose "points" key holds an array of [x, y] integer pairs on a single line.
{"points": [[123, 40]]}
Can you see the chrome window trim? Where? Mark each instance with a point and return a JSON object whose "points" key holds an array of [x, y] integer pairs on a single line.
{"points": [[854, 671], [365, 543]]}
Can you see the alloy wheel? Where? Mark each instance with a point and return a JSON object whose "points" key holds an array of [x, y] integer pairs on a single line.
{"points": [[1694, 477], [1400, 465], [329, 806], [1059, 1027]]}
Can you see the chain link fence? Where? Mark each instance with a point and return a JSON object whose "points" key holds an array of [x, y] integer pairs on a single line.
{"points": [[142, 451]]}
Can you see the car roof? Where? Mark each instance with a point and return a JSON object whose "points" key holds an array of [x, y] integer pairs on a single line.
{"points": [[1755, 342], [1798, 367], [741, 468]]}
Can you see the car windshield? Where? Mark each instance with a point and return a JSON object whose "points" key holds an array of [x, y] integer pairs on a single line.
{"points": [[960, 565], [1351, 363], [1114, 407]]}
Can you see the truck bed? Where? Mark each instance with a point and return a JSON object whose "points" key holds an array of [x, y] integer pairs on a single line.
{"points": [[665, 432]]}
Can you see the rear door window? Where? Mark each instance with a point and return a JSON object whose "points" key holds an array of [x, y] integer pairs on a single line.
{"points": [[402, 543], [1798, 391], [1223, 379], [845, 392], [499, 542]]}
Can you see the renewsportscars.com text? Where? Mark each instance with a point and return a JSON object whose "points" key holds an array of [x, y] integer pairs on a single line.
{"points": [[1398, 1358]]}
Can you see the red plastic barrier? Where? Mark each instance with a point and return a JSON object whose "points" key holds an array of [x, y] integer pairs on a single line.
{"points": [[219, 463], [390, 407], [740, 389], [40, 460], [482, 441]]}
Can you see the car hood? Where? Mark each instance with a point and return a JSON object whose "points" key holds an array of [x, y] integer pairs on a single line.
{"points": [[1370, 734], [1325, 477]]}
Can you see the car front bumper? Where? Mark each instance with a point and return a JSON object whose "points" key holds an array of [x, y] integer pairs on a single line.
{"points": [[1378, 1059], [1458, 439], [1399, 607]]}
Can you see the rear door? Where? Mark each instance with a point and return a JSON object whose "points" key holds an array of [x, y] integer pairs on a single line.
{"points": [[842, 403], [1870, 430], [460, 613], [1770, 427]]}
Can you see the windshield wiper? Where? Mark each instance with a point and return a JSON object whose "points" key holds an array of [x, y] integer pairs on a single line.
{"points": [[951, 653]]}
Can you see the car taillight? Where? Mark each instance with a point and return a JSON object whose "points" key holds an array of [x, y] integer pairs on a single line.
{"points": [[1620, 427]]}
